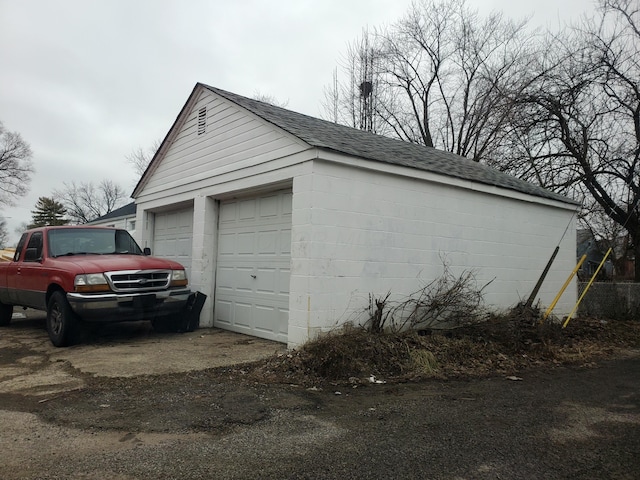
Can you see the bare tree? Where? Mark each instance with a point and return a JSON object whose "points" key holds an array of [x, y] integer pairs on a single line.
{"points": [[608, 234], [85, 202], [331, 102], [440, 75], [19, 230], [578, 125], [140, 158], [15, 166], [270, 99], [451, 69], [4, 233]]}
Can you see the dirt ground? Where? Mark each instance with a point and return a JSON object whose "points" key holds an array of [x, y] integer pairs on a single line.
{"points": [[131, 404]]}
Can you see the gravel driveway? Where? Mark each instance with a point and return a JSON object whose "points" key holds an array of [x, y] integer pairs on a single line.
{"points": [[194, 422]]}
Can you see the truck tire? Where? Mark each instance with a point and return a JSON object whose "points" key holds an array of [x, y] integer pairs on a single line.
{"points": [[6, 311], [61, 321]]}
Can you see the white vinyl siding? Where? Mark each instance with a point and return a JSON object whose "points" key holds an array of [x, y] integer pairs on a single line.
{"points": [[126, 223], [233, 140]]}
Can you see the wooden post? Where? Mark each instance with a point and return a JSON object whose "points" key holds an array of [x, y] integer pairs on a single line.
{"points": [[536, 289]]}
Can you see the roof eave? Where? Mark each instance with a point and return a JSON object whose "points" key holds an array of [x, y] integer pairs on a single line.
{"points": [[164, 145]]}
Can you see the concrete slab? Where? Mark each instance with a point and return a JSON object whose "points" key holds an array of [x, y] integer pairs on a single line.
{"points": [[117, 350], [154, 354]]}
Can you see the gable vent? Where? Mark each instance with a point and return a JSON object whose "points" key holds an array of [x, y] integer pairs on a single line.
{"points": [[202, 120]]}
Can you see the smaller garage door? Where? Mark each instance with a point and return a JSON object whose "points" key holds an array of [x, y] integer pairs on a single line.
{"points": [[172, 237], [254, 254]]}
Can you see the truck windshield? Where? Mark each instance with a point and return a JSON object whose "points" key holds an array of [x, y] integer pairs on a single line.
{"points": [[91, 241]]}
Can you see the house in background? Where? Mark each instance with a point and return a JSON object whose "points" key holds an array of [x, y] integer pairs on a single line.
{"points": [[619, 266], [123, 217], [287, 222]]}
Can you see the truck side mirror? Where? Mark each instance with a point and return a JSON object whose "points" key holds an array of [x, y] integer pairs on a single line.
{"points": [[146, 251], [31, 255]]}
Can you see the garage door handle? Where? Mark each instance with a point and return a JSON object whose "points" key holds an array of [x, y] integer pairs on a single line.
{"points": [[253, 276]]}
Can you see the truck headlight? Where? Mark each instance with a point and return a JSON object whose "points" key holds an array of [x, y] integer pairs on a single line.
{"points": [[91, 282], [178, 278]]}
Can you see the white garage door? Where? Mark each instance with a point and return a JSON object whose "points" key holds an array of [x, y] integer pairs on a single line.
{"points": [[254, 252], [172, 238]]}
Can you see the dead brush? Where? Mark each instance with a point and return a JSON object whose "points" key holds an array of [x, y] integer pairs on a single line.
{"points": [[352, 355], [521, 329], [447, 302], [423, 361], [355, 353]]}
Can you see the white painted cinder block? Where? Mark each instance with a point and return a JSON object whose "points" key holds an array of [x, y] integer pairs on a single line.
{"points": [[203, 259], [357, 232]]}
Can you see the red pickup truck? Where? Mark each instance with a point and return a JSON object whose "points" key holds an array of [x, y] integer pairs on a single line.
{"points": [[94, 274]]}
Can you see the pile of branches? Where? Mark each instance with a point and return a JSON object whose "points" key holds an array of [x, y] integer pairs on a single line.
{"points": [[503, 345], [447, 302]]}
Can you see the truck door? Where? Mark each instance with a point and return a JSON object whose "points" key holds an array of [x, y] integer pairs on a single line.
{"points": [[12, 270], [30, 274]]}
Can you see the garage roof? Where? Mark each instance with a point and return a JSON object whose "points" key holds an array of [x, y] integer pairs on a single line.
{"points": [[127, 210], [359, 143]]}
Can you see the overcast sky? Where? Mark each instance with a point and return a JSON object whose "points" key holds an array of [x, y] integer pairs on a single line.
{"points": [[87, 81]]}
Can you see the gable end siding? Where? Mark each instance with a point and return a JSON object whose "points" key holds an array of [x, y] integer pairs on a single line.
{"points": [[234, 139]]}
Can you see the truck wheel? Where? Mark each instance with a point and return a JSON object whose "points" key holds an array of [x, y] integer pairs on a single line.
{"points": [[6, 311], [61, 320]]}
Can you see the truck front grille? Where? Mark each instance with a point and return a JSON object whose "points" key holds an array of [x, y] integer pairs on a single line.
{"points": [[139, 280]]}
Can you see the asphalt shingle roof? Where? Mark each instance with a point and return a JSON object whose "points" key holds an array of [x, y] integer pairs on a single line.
{"points": [[129, 209], [359, 143]]}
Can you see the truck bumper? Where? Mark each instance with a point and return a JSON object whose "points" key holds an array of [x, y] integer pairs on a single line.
{"points": [[119, 307]]}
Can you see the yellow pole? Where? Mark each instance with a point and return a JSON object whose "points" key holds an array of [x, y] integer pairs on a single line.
{"points": [[566, 322], [564, 287]]}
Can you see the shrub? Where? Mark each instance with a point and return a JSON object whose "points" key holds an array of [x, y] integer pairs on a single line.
{"points": [[447, 302]]}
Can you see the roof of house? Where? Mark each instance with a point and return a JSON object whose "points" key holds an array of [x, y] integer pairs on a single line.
{"points": [[126, 211], [359, 143]]}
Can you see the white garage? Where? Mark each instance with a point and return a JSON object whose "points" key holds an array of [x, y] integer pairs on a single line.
{"points": [[253, 267], [288, 223], [173, 236]]}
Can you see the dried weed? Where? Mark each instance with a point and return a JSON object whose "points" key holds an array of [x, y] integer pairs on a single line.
{"points": [[499, 346]]}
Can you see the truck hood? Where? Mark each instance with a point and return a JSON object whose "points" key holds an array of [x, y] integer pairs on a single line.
{"points": [[110, 263]]}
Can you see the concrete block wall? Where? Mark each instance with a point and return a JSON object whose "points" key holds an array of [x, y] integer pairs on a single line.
{"points": [[203, 262], [358, 231]]}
